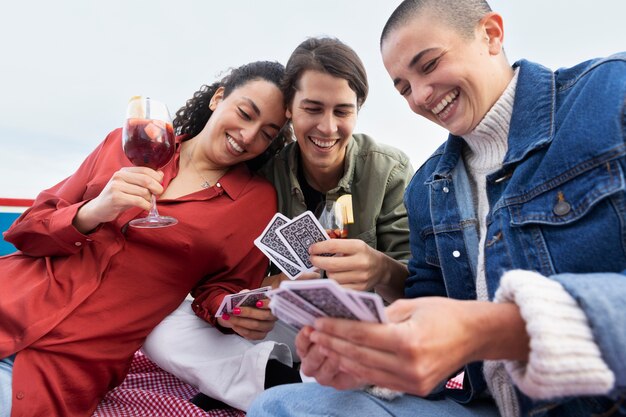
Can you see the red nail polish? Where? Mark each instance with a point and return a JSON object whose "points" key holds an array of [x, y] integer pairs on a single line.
{"points": [[226, 316], [259, 304], [236, 311]]}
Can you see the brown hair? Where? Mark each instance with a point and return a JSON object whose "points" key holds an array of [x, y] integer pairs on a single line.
{"points": [[328, 55]]}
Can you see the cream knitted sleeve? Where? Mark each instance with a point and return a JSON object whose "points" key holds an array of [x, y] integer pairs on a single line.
{"points": [[564, 359]]}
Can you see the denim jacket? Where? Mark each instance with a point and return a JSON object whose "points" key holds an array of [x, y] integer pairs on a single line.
{"points": [[557, 206]]}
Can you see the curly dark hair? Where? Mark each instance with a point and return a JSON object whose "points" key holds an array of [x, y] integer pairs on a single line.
{"points": [[193, 116]]}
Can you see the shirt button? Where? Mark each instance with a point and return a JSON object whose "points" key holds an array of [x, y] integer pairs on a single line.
{"points": [[19, 395], [77, 244], [446, 190], [562, 208], [456, 253], [218, 185]]}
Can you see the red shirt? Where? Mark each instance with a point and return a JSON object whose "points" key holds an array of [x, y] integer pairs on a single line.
{"points": [[76, 307]]}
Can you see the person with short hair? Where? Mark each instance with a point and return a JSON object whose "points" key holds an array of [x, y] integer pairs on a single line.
{"points": [[517, 240]]}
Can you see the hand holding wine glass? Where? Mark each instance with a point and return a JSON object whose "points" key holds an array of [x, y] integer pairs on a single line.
{"points": [[148, 141]]}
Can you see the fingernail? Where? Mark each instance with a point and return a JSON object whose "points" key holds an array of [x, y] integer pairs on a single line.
{"points": [[236, 311], [226, 316], [259, 304]]}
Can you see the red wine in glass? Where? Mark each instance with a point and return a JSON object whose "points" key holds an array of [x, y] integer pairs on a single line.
{"points": [[149, 143], [339, 233], [148, 140]]}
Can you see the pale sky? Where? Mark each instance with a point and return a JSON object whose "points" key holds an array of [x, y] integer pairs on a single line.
{"points": [[68, 67]]}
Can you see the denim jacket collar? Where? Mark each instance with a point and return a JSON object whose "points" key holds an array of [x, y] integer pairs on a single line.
{"points": [[535, 103]]}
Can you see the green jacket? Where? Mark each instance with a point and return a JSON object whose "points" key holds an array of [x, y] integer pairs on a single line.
{"points": [[376, 176]]}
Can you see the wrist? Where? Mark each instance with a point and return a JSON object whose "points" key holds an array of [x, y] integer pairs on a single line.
{"points": [[392, 276], [83, 220], [497, 331]]}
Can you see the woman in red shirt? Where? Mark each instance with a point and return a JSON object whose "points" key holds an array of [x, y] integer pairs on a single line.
{"points": [[84, 290]]}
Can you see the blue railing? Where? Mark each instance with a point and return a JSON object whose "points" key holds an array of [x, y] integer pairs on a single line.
{"points": [[10, 209]]}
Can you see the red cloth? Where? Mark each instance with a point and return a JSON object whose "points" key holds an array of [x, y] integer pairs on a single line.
{"points": [[150, 391], [456, 382], [78, 308]]}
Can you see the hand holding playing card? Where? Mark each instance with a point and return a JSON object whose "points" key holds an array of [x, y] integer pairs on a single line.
{"points": [[251, 318], [286, 242], [243, 298], [430, 338], [247, 313], [357, 265], [318, 364], [250, 322]]}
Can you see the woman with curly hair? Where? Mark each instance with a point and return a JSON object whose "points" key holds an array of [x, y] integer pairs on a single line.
{"points": [[84, 290]]}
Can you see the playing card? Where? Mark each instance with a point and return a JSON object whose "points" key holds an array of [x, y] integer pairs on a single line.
{"points": [[285, 295], [224, 307], [299, 234], [364, 314], [291, 271], [287, 317], [251, 297], [373, 304], [270, 241], [296, 314], [326, 295], [231, 301]]}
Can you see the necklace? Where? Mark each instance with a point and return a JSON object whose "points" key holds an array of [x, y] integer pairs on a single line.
{"points": [[205, 183]]}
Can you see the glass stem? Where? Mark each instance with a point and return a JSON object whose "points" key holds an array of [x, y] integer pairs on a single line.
{"points": [[153, 210]]}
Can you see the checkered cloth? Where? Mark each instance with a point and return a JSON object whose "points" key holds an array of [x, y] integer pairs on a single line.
{"points": [[149, 391], [456, 382]]}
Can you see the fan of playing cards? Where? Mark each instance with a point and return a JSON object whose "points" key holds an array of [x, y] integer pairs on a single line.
{"points": [[242, 299], [299, 303], [286, 242]]}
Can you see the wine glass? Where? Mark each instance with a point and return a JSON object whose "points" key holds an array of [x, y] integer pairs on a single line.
{"points": [[148, 141], [332, 217]]}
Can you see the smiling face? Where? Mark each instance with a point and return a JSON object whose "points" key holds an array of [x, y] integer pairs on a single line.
{"points": [[323, 113], [445, 77], [243, 124]]}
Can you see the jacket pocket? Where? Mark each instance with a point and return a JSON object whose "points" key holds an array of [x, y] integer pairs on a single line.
{"points": [[578, 224], [569, 201]]}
